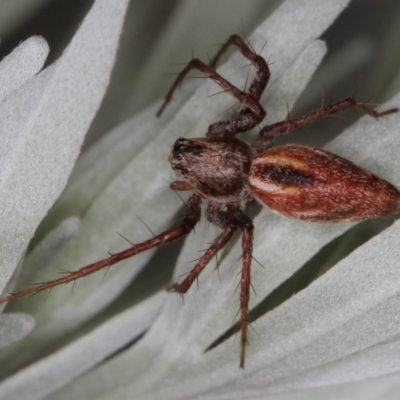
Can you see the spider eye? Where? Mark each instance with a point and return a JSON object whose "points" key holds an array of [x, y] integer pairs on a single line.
{"points": [[179, 145], [179, 158]]}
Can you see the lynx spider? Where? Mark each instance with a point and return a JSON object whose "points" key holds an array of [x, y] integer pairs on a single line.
{"points": [[227, 173]]}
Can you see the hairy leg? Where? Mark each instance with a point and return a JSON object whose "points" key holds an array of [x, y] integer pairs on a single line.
{"points": [[263, 73], [229, 220], [215, 215], [269, 132], [190, 220], [250, 112], [245, 283]]}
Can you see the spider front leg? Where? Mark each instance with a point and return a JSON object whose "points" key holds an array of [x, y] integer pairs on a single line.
{"points": [[192, 217], [230, 220], [269, 132], [263, 73], [250, 112]]}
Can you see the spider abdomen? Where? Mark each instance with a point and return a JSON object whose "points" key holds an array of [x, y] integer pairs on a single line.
{"points": [[315, 185]]}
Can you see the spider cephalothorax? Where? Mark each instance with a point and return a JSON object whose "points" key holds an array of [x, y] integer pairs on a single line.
{"points": [[217, 168], [297, 181]]}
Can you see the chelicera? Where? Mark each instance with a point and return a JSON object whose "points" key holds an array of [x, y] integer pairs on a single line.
{"points": [[227, 174]]}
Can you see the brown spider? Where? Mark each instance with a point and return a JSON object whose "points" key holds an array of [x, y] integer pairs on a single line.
{"points": [[225, 172]]}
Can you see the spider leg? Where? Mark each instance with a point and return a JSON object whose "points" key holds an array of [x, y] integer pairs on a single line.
{"points": [[245, 283], [218, 244], [230, 220], [245, 118], [181, 186], [245, 99], [250, 112], [234, 216], [263, 73], [269, 132], [218, 217], [190, 220]]}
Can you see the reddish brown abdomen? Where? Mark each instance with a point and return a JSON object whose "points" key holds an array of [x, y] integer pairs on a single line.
{"points": [[315, 185]]}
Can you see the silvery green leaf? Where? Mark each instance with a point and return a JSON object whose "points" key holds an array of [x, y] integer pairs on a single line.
{"points": [[43, 125], [329, 333], [22, 64], [76, 358], [36, 260], [14, 327]]}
